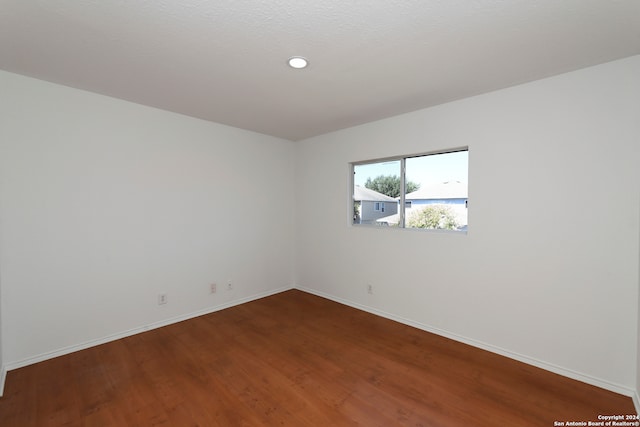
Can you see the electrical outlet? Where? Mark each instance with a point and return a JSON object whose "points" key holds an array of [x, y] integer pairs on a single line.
{"points": [[369, 289], [213, 288], [229, 285], [162, 299]]}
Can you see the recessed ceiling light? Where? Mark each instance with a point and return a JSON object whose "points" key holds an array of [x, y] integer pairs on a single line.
{"points": [[297, 62]]}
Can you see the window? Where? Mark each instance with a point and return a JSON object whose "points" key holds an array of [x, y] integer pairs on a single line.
{"points": [[425, 191]]}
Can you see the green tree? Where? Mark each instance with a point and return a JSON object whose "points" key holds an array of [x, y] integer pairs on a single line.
{"points": [[389, 185], [433, 217]]}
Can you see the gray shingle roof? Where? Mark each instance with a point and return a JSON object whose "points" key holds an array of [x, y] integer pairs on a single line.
{"points": [[440, 190], [364, 194]]}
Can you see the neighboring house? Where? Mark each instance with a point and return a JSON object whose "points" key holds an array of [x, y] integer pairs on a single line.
{"points": [[370, 205], [451, 193]]}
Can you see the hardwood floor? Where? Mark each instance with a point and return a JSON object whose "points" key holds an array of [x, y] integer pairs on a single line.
{"points": [[294, 359]]}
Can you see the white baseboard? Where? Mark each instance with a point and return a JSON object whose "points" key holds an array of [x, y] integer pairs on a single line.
{"points": [[92, 343], [3, 377], [616, 388], [636, 402]]}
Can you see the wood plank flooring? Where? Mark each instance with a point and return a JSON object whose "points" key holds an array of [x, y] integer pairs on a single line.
{"points": [[294, 359]]}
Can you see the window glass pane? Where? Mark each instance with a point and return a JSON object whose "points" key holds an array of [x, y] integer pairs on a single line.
{"points": [[375, 193], [437, 191]]}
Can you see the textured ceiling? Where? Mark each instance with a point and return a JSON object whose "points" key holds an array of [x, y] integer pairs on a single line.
{"points": [[225, 60]]}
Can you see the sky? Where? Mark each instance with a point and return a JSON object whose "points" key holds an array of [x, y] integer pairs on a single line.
{"points": [[421, 170]]}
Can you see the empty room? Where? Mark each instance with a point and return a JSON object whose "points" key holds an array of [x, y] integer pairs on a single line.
{"points": [[380, 213]]}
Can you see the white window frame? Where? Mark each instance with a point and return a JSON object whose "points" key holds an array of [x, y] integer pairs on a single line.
{"points": [[403, 170]]}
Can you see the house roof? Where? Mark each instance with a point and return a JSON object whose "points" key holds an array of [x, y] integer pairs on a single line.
{"points": [[363, 194], [440, 190]]}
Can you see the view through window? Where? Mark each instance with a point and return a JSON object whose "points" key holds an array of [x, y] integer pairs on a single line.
{"points": [[428, 191]]}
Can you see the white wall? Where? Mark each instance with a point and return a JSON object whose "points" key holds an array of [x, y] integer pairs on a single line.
{"points": [[3, 372], [636, 399], [553, 282], [104, 204]]}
